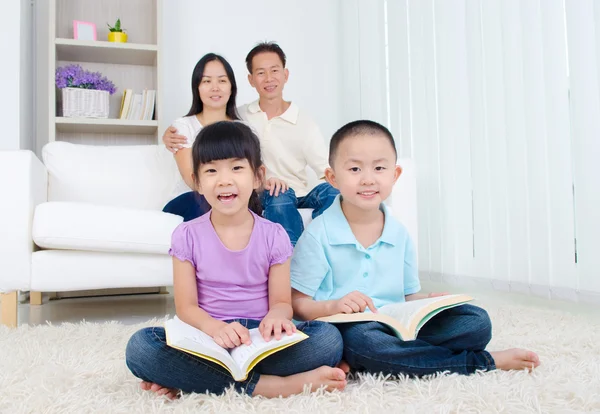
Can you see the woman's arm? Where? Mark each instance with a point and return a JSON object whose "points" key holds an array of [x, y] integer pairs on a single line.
{"points": [[183, 158], [186, 299]]}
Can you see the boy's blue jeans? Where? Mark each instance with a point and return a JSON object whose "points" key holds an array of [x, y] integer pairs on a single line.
{"points": [[453, 341], [283, 208], [150, 358]]}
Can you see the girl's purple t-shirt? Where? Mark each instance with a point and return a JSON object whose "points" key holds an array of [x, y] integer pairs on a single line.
{"points": [[231, 284]]}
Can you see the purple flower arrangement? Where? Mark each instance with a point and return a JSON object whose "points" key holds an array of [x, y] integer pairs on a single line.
{"points": [[74, 76]]}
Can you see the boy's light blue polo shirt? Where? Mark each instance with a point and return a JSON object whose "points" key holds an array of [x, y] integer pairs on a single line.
{"points": [[328, 261]]}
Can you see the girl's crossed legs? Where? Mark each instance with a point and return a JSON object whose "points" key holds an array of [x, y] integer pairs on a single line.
{"points": [[284, 373]]}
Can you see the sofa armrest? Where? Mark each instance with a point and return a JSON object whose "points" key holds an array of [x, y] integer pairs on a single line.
{"points": [[23, 185], [403, 199]]}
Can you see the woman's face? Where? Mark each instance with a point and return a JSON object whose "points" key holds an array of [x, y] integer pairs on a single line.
{"points": [[214, 88]]}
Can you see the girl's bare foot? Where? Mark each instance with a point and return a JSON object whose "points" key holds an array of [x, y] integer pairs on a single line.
{"points": [[271, 386], [170, 393], [343, 365], [515, 358]]}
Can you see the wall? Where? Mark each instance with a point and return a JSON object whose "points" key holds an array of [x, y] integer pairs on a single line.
{"points": [[308, 32], [16, 114]]}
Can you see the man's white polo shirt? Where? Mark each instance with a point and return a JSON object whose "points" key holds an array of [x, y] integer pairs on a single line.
{"points": [[289, 143]]}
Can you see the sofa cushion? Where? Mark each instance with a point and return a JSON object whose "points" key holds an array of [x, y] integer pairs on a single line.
{"points": [[140, 176], [89, 227]]}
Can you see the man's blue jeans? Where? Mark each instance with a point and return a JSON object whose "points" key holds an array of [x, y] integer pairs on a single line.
{"points": [[283, 208], [453, 341], [150, 358]]}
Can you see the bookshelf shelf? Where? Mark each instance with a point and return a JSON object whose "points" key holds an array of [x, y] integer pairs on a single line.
{"points": [[105, 52], [108, 126], [135, 66]]}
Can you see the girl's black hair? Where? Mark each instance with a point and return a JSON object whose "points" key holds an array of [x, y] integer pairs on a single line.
{"points": [[197, 107], [226, 139]]}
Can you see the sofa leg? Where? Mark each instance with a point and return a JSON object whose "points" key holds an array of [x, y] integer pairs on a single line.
{"points": [[9, 309], [35, 298]]}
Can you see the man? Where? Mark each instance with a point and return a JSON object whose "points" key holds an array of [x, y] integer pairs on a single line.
{"points": [[290, 142]]}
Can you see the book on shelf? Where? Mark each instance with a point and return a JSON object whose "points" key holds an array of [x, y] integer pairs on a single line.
{"points": [[138, 106], [405, 318], [238, 361]]}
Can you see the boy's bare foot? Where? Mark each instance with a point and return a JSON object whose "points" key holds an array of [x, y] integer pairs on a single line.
{"points": [[343, 365], [271, 386], [170, 393], [515, 358]]}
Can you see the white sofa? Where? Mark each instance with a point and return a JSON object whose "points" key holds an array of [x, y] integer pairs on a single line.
{"points": [[90, 217]]}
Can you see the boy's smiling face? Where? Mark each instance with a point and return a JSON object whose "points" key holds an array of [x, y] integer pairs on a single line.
{"points": [[364, 170]]}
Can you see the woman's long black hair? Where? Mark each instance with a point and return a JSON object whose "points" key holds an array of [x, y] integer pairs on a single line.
{"points": [[223, 140], [197, 107]]}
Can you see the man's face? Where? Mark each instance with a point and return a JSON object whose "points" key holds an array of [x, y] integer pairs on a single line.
{"points": [[268, 75]]}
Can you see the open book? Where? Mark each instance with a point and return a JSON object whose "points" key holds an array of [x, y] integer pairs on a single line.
{"points": [[404, 318], [238, 361]]}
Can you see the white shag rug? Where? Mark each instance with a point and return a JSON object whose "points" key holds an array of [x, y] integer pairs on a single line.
{"points": [[79, 368]]}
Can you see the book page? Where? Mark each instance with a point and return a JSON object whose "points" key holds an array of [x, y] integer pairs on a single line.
{"points": [[410, 313], [187, 338], [244, 355]]}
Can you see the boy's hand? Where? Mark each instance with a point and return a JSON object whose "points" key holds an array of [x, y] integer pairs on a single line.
{"points": [[231, 335], [275, 324], [435, 295], [275, 186], [353, 302]]}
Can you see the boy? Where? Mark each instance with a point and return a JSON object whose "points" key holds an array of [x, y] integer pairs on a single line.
{"points": [[357, 256]]}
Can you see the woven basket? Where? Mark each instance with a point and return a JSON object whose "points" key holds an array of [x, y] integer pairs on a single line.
{"points": [[86, 103]]}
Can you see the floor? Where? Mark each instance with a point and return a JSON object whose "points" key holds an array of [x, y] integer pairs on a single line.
{"points": [[132, 309]]}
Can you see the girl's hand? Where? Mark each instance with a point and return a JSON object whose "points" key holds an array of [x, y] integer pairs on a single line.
{"points": [[353, 302], [172, 140], [231, 335], [273, 323], [275, 186]]}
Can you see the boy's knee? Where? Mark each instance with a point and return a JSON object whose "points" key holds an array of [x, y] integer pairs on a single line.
{"points": [[329, 338], [481, 323]]}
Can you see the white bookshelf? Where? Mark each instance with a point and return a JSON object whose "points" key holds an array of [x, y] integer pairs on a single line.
{"points": [[105, 52], [105, 126], [132, 65]]}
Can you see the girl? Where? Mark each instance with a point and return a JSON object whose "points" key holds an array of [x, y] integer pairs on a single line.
{"points": [[213, 99], [231, 273]]}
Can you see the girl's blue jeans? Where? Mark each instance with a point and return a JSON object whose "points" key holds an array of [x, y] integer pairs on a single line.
{"points": [[150, 358], [452, 341]]}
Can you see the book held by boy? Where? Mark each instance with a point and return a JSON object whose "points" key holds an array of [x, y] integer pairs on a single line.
{"points": [[238, 361], [406, 318]]}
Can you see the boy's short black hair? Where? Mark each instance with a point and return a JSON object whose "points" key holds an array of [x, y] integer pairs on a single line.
{"points": [[262, 48], [361, 127]]}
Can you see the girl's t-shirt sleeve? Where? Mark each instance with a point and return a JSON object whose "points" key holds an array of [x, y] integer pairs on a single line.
{"points": [[182, 244], [281, 249]]}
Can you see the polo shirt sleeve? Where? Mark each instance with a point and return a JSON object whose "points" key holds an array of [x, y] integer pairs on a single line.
{"points": [[411, 270], [309, 265], [315, 151]]}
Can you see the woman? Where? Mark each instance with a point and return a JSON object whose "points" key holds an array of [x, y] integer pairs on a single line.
{"points": [[213, 99]]}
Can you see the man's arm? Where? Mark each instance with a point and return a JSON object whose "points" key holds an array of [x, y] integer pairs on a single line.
{"points": [[315, 151]]}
